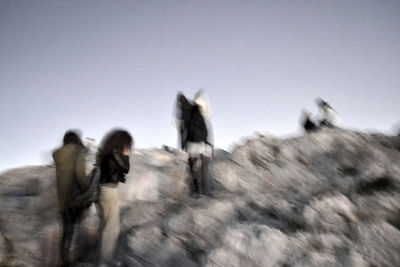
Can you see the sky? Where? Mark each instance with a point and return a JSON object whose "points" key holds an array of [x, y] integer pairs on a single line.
{"points": [[95, 65]]}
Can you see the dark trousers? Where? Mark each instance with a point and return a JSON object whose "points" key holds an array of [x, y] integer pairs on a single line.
{"points": [[325, 123], [68, 222], [199, 174]]}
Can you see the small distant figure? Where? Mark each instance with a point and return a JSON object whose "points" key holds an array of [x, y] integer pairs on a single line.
{"points": [[198, 142], [182, 114], [308, 123], [328, 116], [113, 159], [70, 174]]}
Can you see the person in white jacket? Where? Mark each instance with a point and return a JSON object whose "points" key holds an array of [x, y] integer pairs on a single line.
{"points": [[199, 143], [328, 117]]}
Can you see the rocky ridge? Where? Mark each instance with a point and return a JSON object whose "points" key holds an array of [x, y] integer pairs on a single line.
{"points": [[330, 198]]}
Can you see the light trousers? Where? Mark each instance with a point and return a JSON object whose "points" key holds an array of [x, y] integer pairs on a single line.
{"points": [[109, 216]]}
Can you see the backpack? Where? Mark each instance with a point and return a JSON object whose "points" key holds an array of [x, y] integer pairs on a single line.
{"points": [[81, 200], [196, 128]]}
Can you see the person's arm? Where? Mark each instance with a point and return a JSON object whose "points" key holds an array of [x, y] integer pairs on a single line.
{"points": [[121, 161], [80, 170]]}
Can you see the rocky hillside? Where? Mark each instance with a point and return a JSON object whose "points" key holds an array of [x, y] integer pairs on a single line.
{"points": [[327, 199]]}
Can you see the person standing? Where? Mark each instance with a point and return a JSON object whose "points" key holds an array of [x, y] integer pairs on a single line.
{"points": [[113, 159], [70, 174], [198, 143], [328, 116], [308, 123]]}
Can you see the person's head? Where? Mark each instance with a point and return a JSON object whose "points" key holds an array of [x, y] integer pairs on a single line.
{"points": [[322, 103], [319, 101], [118, 140], [306, 114], [182, 99], [199, 93], [72, 137], [202, 101], [180, 96]]}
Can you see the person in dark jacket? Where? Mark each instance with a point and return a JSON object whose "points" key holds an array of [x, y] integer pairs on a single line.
{"points": [[198, 143], [70, 174], [308, 122], [113, 159], [182, 114]]}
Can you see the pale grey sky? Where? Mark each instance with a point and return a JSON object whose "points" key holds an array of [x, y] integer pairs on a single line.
{"points": [[95, 65]]}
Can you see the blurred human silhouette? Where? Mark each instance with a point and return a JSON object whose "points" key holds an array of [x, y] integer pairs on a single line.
{"points": [[182, 114], [113, 159], [198, 142], [70, 174], [328, 116], [307, 122]]}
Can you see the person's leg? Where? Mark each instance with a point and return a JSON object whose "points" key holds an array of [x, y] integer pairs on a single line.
{"points": [[108, 202], [323, 123], [68, 231], [330, 125], [182, 137], [204, 175], [195, 172]]}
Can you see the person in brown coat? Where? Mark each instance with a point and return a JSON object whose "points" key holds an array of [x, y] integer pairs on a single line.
{"points": [[70, 173]]}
